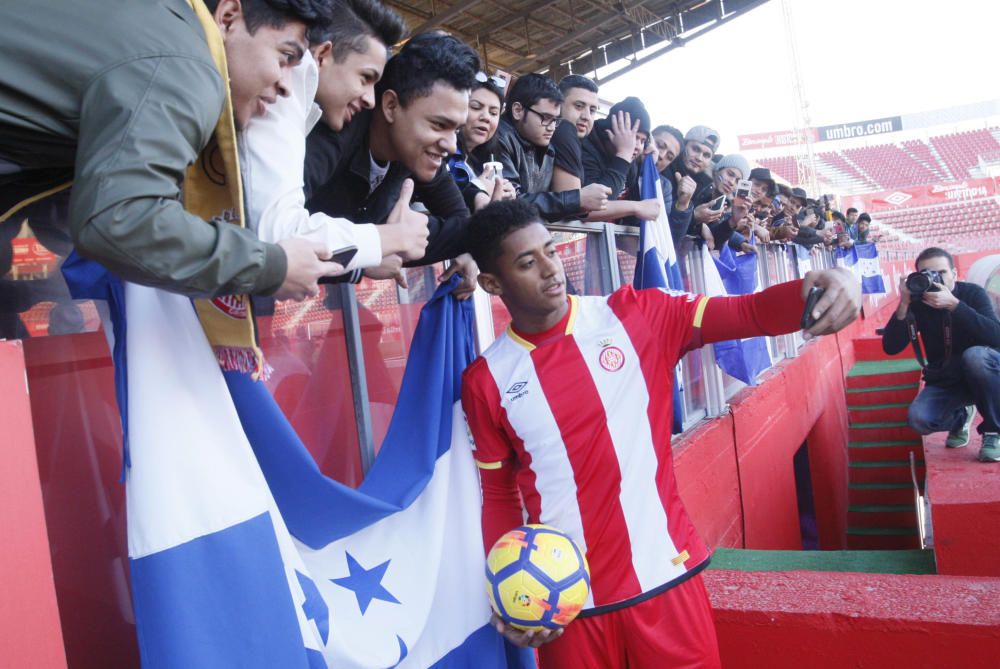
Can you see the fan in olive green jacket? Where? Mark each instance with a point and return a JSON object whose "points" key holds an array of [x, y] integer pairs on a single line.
{"points": [[121, 96]]}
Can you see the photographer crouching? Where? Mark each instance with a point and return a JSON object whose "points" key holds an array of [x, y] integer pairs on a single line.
{"points": [[961, 335]]}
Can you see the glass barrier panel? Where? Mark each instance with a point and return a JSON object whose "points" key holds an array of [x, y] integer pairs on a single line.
{"points": [[582, 260], [305, 344], [692, 387], [626, 252], [388, 316]]}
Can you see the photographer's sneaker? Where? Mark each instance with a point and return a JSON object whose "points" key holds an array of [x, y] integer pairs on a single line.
{"points": [[960, 437], [990, 452]]}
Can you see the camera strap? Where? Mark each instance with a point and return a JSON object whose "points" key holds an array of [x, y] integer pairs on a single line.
{"points": [[911, 329]]}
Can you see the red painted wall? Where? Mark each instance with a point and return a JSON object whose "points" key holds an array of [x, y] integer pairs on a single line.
{"points": [[735, 474], [829, 620], [30, 634]]}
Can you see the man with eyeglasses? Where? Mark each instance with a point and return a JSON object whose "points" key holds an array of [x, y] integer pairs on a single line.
{"points": [[523, 141]]}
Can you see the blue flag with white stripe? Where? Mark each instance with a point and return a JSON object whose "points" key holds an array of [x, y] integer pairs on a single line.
{"points": [[243, 554], [862, 259], [656, 266], [732, 274]]}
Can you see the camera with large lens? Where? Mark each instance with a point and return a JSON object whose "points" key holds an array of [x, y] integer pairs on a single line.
{"points": [[922, 282]]}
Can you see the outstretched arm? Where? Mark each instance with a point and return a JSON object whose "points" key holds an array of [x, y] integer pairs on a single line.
{"points": [[778, 310]]}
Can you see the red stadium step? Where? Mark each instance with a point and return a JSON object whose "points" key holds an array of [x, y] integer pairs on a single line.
{"points": [[870, 349], [885, 471], [882, 538], [874, 413], [880, 431], [882, 515], [880, 493], [889, 394], [877, 380], [881, 451]]}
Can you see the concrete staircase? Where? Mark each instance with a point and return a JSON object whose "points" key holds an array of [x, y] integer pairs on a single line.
{"points": [[881, 513]]}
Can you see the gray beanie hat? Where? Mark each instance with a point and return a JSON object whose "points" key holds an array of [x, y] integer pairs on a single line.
{"points": [[735, 161]]}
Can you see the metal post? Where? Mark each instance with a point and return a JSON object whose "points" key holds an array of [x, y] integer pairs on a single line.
{"points": [[763, 262], [483, 315], [359, 381], [715, 391], [612, 279], [791, 349]]}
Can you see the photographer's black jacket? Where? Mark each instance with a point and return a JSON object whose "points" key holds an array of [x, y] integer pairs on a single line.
{"points": [[336, 183], [974, 323]]}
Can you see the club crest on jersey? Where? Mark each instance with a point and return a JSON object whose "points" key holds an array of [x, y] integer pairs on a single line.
{"points": [[233, 306], [611, 358]]}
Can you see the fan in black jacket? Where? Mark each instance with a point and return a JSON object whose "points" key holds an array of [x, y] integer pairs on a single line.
{"points": [[422, 99], [523, 143]]}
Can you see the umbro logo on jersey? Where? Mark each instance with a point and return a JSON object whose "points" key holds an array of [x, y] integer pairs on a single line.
{"points": [[517, 391]]}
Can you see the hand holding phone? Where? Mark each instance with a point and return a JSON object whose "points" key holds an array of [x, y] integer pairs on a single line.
{"points": [[807, 318], [743, 189], [342, 257], [718, 203]]}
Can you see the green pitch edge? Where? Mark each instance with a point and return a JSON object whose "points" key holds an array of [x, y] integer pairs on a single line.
{"points": [[875, 389], [881, 444], [872, 407], [869, 368], [883, 531], [865, 562], [879, 508], [879, 486], [883, 464]]}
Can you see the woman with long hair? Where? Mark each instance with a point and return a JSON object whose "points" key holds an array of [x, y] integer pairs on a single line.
{"points": [[470, 166]]}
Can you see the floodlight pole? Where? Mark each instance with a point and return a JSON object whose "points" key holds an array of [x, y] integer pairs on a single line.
{"points": [[803, 122]]}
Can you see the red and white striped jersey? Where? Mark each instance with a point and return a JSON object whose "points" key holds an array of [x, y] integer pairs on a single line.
{"points": [[583, 411]]}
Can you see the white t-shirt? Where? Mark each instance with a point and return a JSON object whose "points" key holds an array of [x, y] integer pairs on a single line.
{"points": [[272, 155]]}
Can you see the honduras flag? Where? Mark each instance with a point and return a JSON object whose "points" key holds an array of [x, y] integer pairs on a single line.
{"points": [[244, 555], [730, 274], [656, 266], [862, 259], [803, 259]]}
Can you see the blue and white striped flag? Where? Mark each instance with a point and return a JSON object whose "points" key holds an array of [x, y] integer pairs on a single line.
{"points": [[862, 259], [730, 274], [243, 554], [656, 266]]}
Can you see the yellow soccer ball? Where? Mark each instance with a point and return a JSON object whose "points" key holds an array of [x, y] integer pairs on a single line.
{"points": [[537, 578]]}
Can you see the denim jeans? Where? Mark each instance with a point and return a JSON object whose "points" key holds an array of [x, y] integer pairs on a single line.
{"points": [[940, 408]]}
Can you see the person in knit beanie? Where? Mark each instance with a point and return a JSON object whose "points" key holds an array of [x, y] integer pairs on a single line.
{"points": [[615, 142], [728, 172]]}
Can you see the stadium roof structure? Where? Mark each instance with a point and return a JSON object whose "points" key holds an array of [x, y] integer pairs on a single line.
{"points": [[562, 36]]}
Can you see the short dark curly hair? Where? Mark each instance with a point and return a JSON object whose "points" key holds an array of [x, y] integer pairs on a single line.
{"points": [[423, 61], [277, 13], [489, 226]]}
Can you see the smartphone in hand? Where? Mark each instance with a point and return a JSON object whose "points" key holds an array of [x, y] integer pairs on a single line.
{"points": [[807, 320], [342, 257]]}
